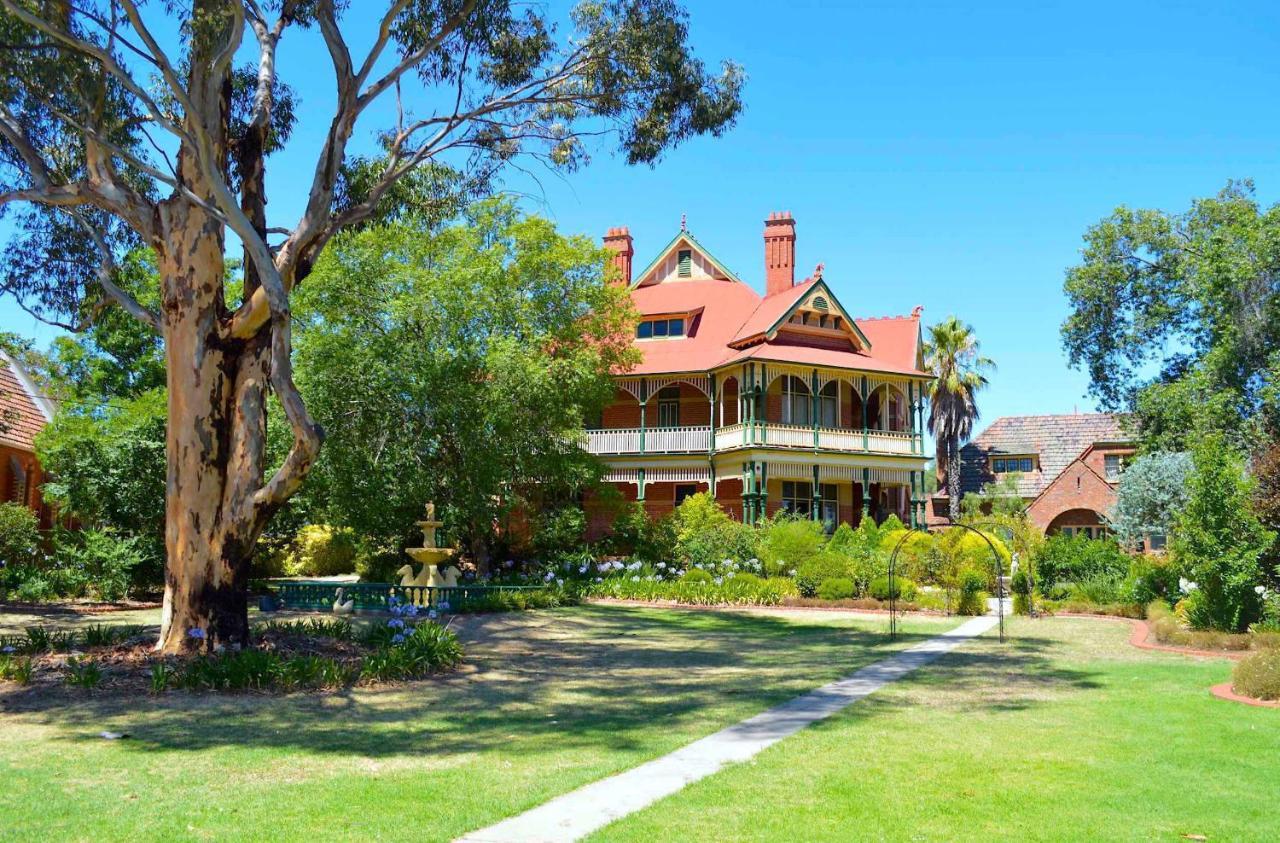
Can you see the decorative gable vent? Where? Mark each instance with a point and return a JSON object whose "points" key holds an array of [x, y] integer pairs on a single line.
{"points": [[685, 265], [820, 303]]}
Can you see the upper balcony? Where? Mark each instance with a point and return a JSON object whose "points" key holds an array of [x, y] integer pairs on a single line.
{"points": [[698, 440]]}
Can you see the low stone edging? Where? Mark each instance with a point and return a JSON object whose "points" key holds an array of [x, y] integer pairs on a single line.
{"points": [[1223, 691]]}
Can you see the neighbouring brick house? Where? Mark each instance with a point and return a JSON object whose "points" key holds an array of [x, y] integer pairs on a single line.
{"points": [[24, 411], [778, 401], [1067, 466]]}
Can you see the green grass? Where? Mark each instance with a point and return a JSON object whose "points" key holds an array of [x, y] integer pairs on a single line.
{"points": [[1064, 733], [548, 701]]}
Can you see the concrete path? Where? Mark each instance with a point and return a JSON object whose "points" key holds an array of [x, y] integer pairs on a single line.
{"points": [[577, 814]]}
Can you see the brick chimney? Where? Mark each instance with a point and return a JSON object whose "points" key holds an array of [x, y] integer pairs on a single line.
{"points": [[779, 252], [618, 241]]}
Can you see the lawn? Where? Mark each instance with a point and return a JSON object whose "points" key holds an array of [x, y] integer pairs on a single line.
{"points": [[548, 701], [1064, 733]]}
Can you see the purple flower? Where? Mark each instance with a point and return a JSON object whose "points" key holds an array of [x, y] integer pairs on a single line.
{"points": [[395, 623], [411, 610], [7, 648], [397, 639], [444, 605], [197, 633], [432, 614], [510, 563]]}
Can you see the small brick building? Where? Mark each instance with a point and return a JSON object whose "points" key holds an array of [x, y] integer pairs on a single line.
{"points": [[24, 411], [1067, 467]]}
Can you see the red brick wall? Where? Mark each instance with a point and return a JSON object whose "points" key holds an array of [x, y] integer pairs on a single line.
{"points": [[30, 495], [730, 401], [623, 412], [729, 496], [1096, 458], [1078, 487], [773, 402], [695, 407]]}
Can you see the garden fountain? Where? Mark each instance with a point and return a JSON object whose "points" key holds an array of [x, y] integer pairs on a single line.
{"points": [[430, 555]]}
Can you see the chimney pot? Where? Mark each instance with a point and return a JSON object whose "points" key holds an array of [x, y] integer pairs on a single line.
{"points": [[618, 240], [779, 252]]}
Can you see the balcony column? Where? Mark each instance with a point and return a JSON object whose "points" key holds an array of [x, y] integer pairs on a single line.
{"points": [[866, 493], [711, 438], [748, 493], [763, 495], [813, 406], [911, 511], [644, 404], [816, 505], [640, 485], [866, 443]]}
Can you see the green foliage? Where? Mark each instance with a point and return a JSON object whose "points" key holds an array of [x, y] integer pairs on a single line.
{"points": [[836, 588], [102, 559], [321, 551], [1258, 675], [1000, 499], [696, 575], [962, 550], [1077, 559], [16, 669], [339, 629], [459, 369], [971, 592], [1151, 577], [1152, 491], [558, 531], [108, 470], [646, 539], [103, 635], [787, 542], [817, 569], [918, 557], [1158, 291], [1217, 540], [83, 673], [903, 588], [1020, 582], [706, 535], [740, 590], [161, 676], [19, 534]]}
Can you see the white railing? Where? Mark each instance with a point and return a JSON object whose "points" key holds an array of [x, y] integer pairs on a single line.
{"points": [[667, 440], [732, 436], [621, 441], [686, 440], [662, 440]]}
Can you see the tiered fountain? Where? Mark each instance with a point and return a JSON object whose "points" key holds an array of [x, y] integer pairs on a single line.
{"points": [[430, 555]]}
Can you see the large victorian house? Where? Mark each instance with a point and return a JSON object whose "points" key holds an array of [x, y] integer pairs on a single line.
{"points": [[781, 401]]}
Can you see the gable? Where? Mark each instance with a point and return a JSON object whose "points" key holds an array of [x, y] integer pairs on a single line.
{"points": [[684, 259], [806, 310]]}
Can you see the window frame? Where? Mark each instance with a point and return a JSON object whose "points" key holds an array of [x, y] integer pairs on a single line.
{"points": [[789, 398], [676, 497], [795, 503]]}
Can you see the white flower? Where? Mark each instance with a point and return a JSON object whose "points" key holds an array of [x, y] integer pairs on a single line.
{"points": [[582, 570], [662, 564], [1186, 585], [1260, 590], [635, 579]]}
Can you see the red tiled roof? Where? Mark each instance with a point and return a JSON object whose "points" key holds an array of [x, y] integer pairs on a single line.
{"points": [[730, 311], [1057, 441], [22, 414]]}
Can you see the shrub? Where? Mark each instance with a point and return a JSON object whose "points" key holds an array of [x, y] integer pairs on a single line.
{"points": [[1218, 540], [903, 588], [1022, 604], [705, 534], [837, 588], [644, 538], [19, 534], [322, 551], [822, 566], [1079, 558], [740, 590], [1258, 675], [788, 542], [1020, 583], [696, 575], [916, 556], [964, 550], [105, 560], [14, 669], [558, 531], [83, 673], [1151, 578], [972, 596]]}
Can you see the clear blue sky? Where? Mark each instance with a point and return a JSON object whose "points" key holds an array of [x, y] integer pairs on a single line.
{"points": [[942, 154]]}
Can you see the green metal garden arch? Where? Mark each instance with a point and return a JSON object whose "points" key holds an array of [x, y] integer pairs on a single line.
{"points": [[893, 565]]}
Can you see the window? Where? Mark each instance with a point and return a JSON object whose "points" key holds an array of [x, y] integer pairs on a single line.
{"points": [[797, 497], [651, 328], [684, 264], [1096, 531], [1113, 465], [1157, 541], [669, 407], [795, 401], [830, 503], [829, 406], [1010, 465], [685, 490]]}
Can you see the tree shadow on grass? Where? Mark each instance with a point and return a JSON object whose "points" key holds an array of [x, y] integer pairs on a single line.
{"points": [[602, 678]]}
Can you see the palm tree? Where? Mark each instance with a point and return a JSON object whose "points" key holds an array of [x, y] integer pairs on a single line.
{"points": [[952, 355]]}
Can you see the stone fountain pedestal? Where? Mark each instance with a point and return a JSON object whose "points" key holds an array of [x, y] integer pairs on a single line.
{"points": [[431, 555]]}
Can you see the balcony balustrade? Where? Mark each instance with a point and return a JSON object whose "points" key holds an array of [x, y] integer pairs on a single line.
{"points": [[686, 440]]}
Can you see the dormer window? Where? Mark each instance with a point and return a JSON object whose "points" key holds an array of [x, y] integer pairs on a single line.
{"points": [[1113, 467], [1013, 465], [660, 329]]}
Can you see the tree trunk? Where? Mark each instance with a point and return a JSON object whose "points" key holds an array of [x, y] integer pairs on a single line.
{"points": [[216, 443], [953, 480]]}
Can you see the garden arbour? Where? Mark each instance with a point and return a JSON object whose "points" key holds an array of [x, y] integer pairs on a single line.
{"points": [[997, 570]]}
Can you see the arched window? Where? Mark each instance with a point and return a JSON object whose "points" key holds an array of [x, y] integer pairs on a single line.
{"points": [[829, 405], [795, 401]]}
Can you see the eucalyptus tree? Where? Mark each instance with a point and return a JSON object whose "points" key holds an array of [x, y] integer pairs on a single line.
{"points": [[124, 124], [953, 356]]}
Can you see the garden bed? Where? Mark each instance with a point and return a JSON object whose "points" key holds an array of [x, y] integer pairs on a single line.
{"points": [[284, 656]]}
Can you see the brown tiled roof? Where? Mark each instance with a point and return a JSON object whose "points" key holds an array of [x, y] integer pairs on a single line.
{"points": [[1056, 440], [23, 411]]}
